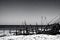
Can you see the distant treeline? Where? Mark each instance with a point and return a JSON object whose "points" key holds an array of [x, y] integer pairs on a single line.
{"points": [[39, 29], [55, 25]]}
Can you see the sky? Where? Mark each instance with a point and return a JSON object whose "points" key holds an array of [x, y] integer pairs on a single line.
{"points": [[16, 12]]}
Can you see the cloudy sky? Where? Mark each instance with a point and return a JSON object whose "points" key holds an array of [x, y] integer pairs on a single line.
{"points": [[17, 11]]}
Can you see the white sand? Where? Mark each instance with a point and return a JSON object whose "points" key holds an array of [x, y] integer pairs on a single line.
{"points": [[32, 37]]}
